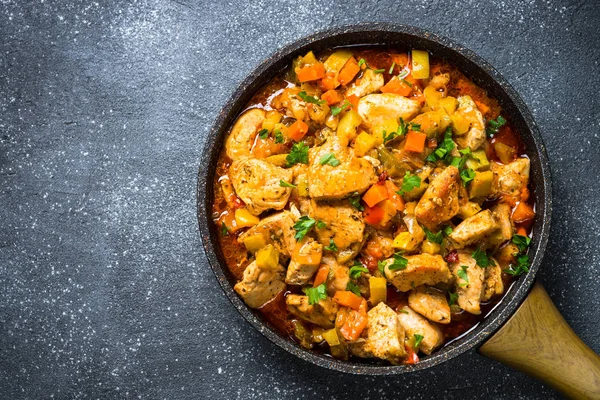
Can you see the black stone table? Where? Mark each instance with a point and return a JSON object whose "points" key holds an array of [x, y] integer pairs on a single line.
{"points": [[104, 106]]}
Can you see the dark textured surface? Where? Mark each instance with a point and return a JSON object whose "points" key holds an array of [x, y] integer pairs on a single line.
{"points": [[104, 108]]}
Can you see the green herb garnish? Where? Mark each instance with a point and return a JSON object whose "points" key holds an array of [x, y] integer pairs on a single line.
{"points": [[433, 237], [355, 202], [224, 229], [361, 62], [298, 154], [521, 241], [303, 225], [353, 287], [316, 294], [381, 267], [482, 259], [285, 184], [494, 125], [310, 99], [409, 183], [329, 159], [398, 263], [418, 339], [520, 266], [391, 70], [379, 71], [356, 270], [467, 175], [278, 136], [332, 246], [336, 110], [263, 133], [453, 298], [462, 274]]}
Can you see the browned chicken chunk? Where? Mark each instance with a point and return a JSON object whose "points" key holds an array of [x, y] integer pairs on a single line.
{"points": [[511, 179], [338, 277], [240, 140], [441, 199], [344, 223], [322, 313], [369, 83], [414, 324], [374, 109], [422, 269], [430, 303], [277, 229], [505, 229], [493, 282], [299, 273], [473, 229], [260, 285], [469, 290]]}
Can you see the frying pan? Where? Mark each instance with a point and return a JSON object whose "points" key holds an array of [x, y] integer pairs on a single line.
{"points": [[525, 330]]}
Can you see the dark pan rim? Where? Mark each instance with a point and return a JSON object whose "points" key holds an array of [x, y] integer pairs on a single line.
{"points": [[543, 192]]}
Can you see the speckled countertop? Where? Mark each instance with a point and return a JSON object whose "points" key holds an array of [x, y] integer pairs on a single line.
{"points": [[104, 108]]}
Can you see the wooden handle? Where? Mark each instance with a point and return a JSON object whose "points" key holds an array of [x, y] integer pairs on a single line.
{"points": [[538, 341]]}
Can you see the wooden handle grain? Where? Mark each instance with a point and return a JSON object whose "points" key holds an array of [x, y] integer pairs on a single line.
{"points": [[538, 341]]}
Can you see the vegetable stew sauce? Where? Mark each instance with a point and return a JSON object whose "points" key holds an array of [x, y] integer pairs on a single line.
{"points": [[374, 204]]}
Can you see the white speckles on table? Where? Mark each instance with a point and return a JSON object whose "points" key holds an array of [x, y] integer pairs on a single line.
{"points": [[104, 107]]}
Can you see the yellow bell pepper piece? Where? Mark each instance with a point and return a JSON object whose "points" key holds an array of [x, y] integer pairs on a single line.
{"points": [[460, 124], [432, 97], [267, 257], [468, 209], [255, 242], [449, 104], [478, 161], [243, 218], [481, 185], [337, 60], [430, 247], [364, 143], [278, 159], [302, 187], [346, 129], [331, 337], [378, 290], [420, 64], [272, 117]]}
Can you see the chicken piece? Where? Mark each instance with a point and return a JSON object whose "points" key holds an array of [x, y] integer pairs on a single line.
{"points": [[473, 229], [440, 81], [430, 303], [260, 285], [475, 136], [510, 180], [441, 200], [422, 269], [369, 83], [256, 182], [506, 229], [298, 273], [374, 109], [338, 276], [344, 223], [277, 229], [414, 324], [295, 106], [240, 140], [326, 182], [385, 336], [469, 290], [322, 313], [493, 282]]}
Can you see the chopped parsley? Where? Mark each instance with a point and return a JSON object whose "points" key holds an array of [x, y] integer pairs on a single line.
{"points": [[332, 246], [443, 150], [336, 110], [467, 175], [415, 127], [521, 241], [278, 136], [403, 311], [356, 270], [299, 154], [304, 225], [353, 287], [398, 263], [329, 159], [310, 99], [355, 202], [224, 229], [391, 70], [453, 298], [263, 133], [520, 266], [409, 183], [466, 151], [379, 71], [418, 339], [407, 82], [403, 74], [494, 125], [482, 259], [361, 62], [462, 274], [447, 230], [285, 184], [381, 267], [434, 237], [316, 294], [401, 131]]}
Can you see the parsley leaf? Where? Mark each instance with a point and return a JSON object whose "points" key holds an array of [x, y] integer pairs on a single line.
{"points": [[462, 274], [336, 110], [403, 74], [379, 71], [299, 154], [332, 246], [224, 229], [433, 237], [316, 294], [494, 125], [285, 184], [520, 267], [303, 225], [391, 70], [321, 224], [356, 270], [361, 62], [355, 202], [453, 298], [353, 287], [443, 150], [329, 159], [415, 127], [482, 259], [521, 241], [409, 183], [398, 263], [310, 99], [278, 136], [466, 151], [381, 267], [467, 175], [418, 339], [447, 230], [263, 133]]}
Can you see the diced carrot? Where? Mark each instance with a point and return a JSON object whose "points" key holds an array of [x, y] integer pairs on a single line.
{"points": [[301, 257], [329, 82], [415, 141], [521, 231], [349, 71], [354, 324], [392, 190], [297, 130], [375, 194], [373, 215], [353, 99], [311, 72], [321, 275], [396, 86], [363, 307], [347, 299], [523, 212], [482, 107], [332, 97]]}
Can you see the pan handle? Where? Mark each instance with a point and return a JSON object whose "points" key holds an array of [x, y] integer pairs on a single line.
{"points": [[538, 341]]}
